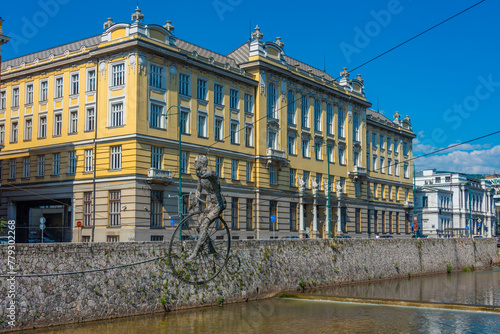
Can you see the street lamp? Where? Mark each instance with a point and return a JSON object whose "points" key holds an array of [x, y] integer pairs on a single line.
{"points": [[180, 164]]}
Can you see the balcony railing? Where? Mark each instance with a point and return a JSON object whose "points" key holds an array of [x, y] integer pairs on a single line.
{"points": [[273, 153], [159, 175], [409, 204], [358, 173]]}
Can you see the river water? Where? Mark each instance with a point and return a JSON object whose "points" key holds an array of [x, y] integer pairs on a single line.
{"points": [[306, 316]]}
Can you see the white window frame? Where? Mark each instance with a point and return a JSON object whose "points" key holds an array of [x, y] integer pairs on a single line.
{"points": [[30, 93], [330, 152], [389, 166], [58, 124], [73, 121], [219, 131], [74, 83], [72, 162], [304, 111], [272, 139], [185, 115], [202, 90], [91, 80], [3, 99], [382, 165], [355, 159], [202, 124], [90, 118], [292, 144], [115, 157], [157, 76], [234, 133], [44, 90], [330, 120], [355, 127], [156, 157], [116, 115], [291, 108], [42, 126], [117, 74], [156, 115], [2, 133], [28, 128], [406, 170], [248, 103], [89, 161], [58, 87], [249, 135], [14, 132], [318, 116], [56, 164], [374, 160], [341, 155], [249, 171], [234, 100], [184, 85], [305, 147], [396, 167], [15, 97], [115, 205], [318, 150]]}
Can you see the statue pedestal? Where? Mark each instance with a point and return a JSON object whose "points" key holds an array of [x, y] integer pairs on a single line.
{"points": [[315, 234], [302, 234]]}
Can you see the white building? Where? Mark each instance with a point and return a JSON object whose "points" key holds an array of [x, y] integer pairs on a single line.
{"points": [[451, 204]]}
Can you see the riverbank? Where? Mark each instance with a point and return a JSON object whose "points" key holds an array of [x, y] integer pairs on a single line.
{"points": [[267, 268]]}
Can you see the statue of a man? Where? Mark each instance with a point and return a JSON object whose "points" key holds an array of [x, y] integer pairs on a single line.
{"points": [[208, 182]]}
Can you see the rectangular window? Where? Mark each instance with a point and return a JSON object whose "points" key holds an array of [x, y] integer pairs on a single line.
{"points": [[330, 153], [202, 125], [305, 148], [382, 142], [248, 103], [87, 209], [355, 126], [218, 166], [375, 221], [91, 81], [374, 139], [14, 132], [115, 208], [218, 128], [118, 74], [184, 162], [329, 119], [249, 135], [357, 218], [156, 116], [304, 108], [75, 83], [72, 162], [397, 193], [218, 94], [156, 209], [90, 119], [389, 190], [234, 132], [234, 97], [28, 129], [272, 175], [73, 121], [155, 76], [317, 116], [396, 167], [249, 171], [41, 165], [382, 165], [318, 150], [293, 216], [58, 124], [396, 145], [368, 161], [389, 166], [396, 221], [291, 108], [185, 121], [184, 84], [3, 100], [355, 159], [157, 238], [27, 167], [89, 160], [249, 214], [375, 190], [389, 144], [15, 97], [59, 88], [116, 115], [273, 209], [406, 171], [234, 213], [382, 191], [29, 94], [405, 148], [341, 124], [56, 164], [272, 139], [384, 226], [391, 227], [116, 157], [156, 157], [12, 169], [291, 145], [292, 177], [202, 90], [341, 156], [2, 134], [234, 169], [44, 91]]}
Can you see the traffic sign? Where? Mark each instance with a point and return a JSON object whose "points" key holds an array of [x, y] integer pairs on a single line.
{"points": [[42, 226], [415, 219], [273, 219], [42, 220], [79, 223], [172, 222]]}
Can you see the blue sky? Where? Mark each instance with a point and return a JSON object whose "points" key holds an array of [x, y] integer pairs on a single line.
{"points": [[447, 81]]}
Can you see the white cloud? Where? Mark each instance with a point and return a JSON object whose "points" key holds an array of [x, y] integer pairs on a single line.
{"points": [[474, 159]]}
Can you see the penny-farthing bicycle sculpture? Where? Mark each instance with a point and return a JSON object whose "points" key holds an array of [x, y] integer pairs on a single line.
{"points": [[212, 256]]}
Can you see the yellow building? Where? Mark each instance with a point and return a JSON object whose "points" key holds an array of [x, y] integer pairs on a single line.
{"points": [[87, 141]]}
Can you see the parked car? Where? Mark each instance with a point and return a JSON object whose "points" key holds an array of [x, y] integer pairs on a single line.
{"points": [[477, 237], [4, 239], [343, 237], [419, 236], [386, 237], [35, 240], [290, 237]]}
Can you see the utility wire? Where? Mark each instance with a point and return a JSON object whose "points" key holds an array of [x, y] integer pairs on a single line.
{"points": [[418, 35]]}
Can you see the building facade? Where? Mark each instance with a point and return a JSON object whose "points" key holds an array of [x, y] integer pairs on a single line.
{"points": [[91, 135], [454, 204]]}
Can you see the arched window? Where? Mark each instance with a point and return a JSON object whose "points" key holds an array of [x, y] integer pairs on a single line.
{"points": [[272, 111], [291, 107]]}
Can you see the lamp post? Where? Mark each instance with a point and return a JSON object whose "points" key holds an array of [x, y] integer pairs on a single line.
{"points": [[414, 198], [470, 210], [180, 164]]}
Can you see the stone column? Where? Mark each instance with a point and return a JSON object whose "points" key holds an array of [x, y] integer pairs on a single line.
{"points": [[315, 233], [302, 227], [257, 215], [339, 217]]}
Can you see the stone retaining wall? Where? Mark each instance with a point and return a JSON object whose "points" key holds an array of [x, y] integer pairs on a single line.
{"points": [[267, 267]]}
